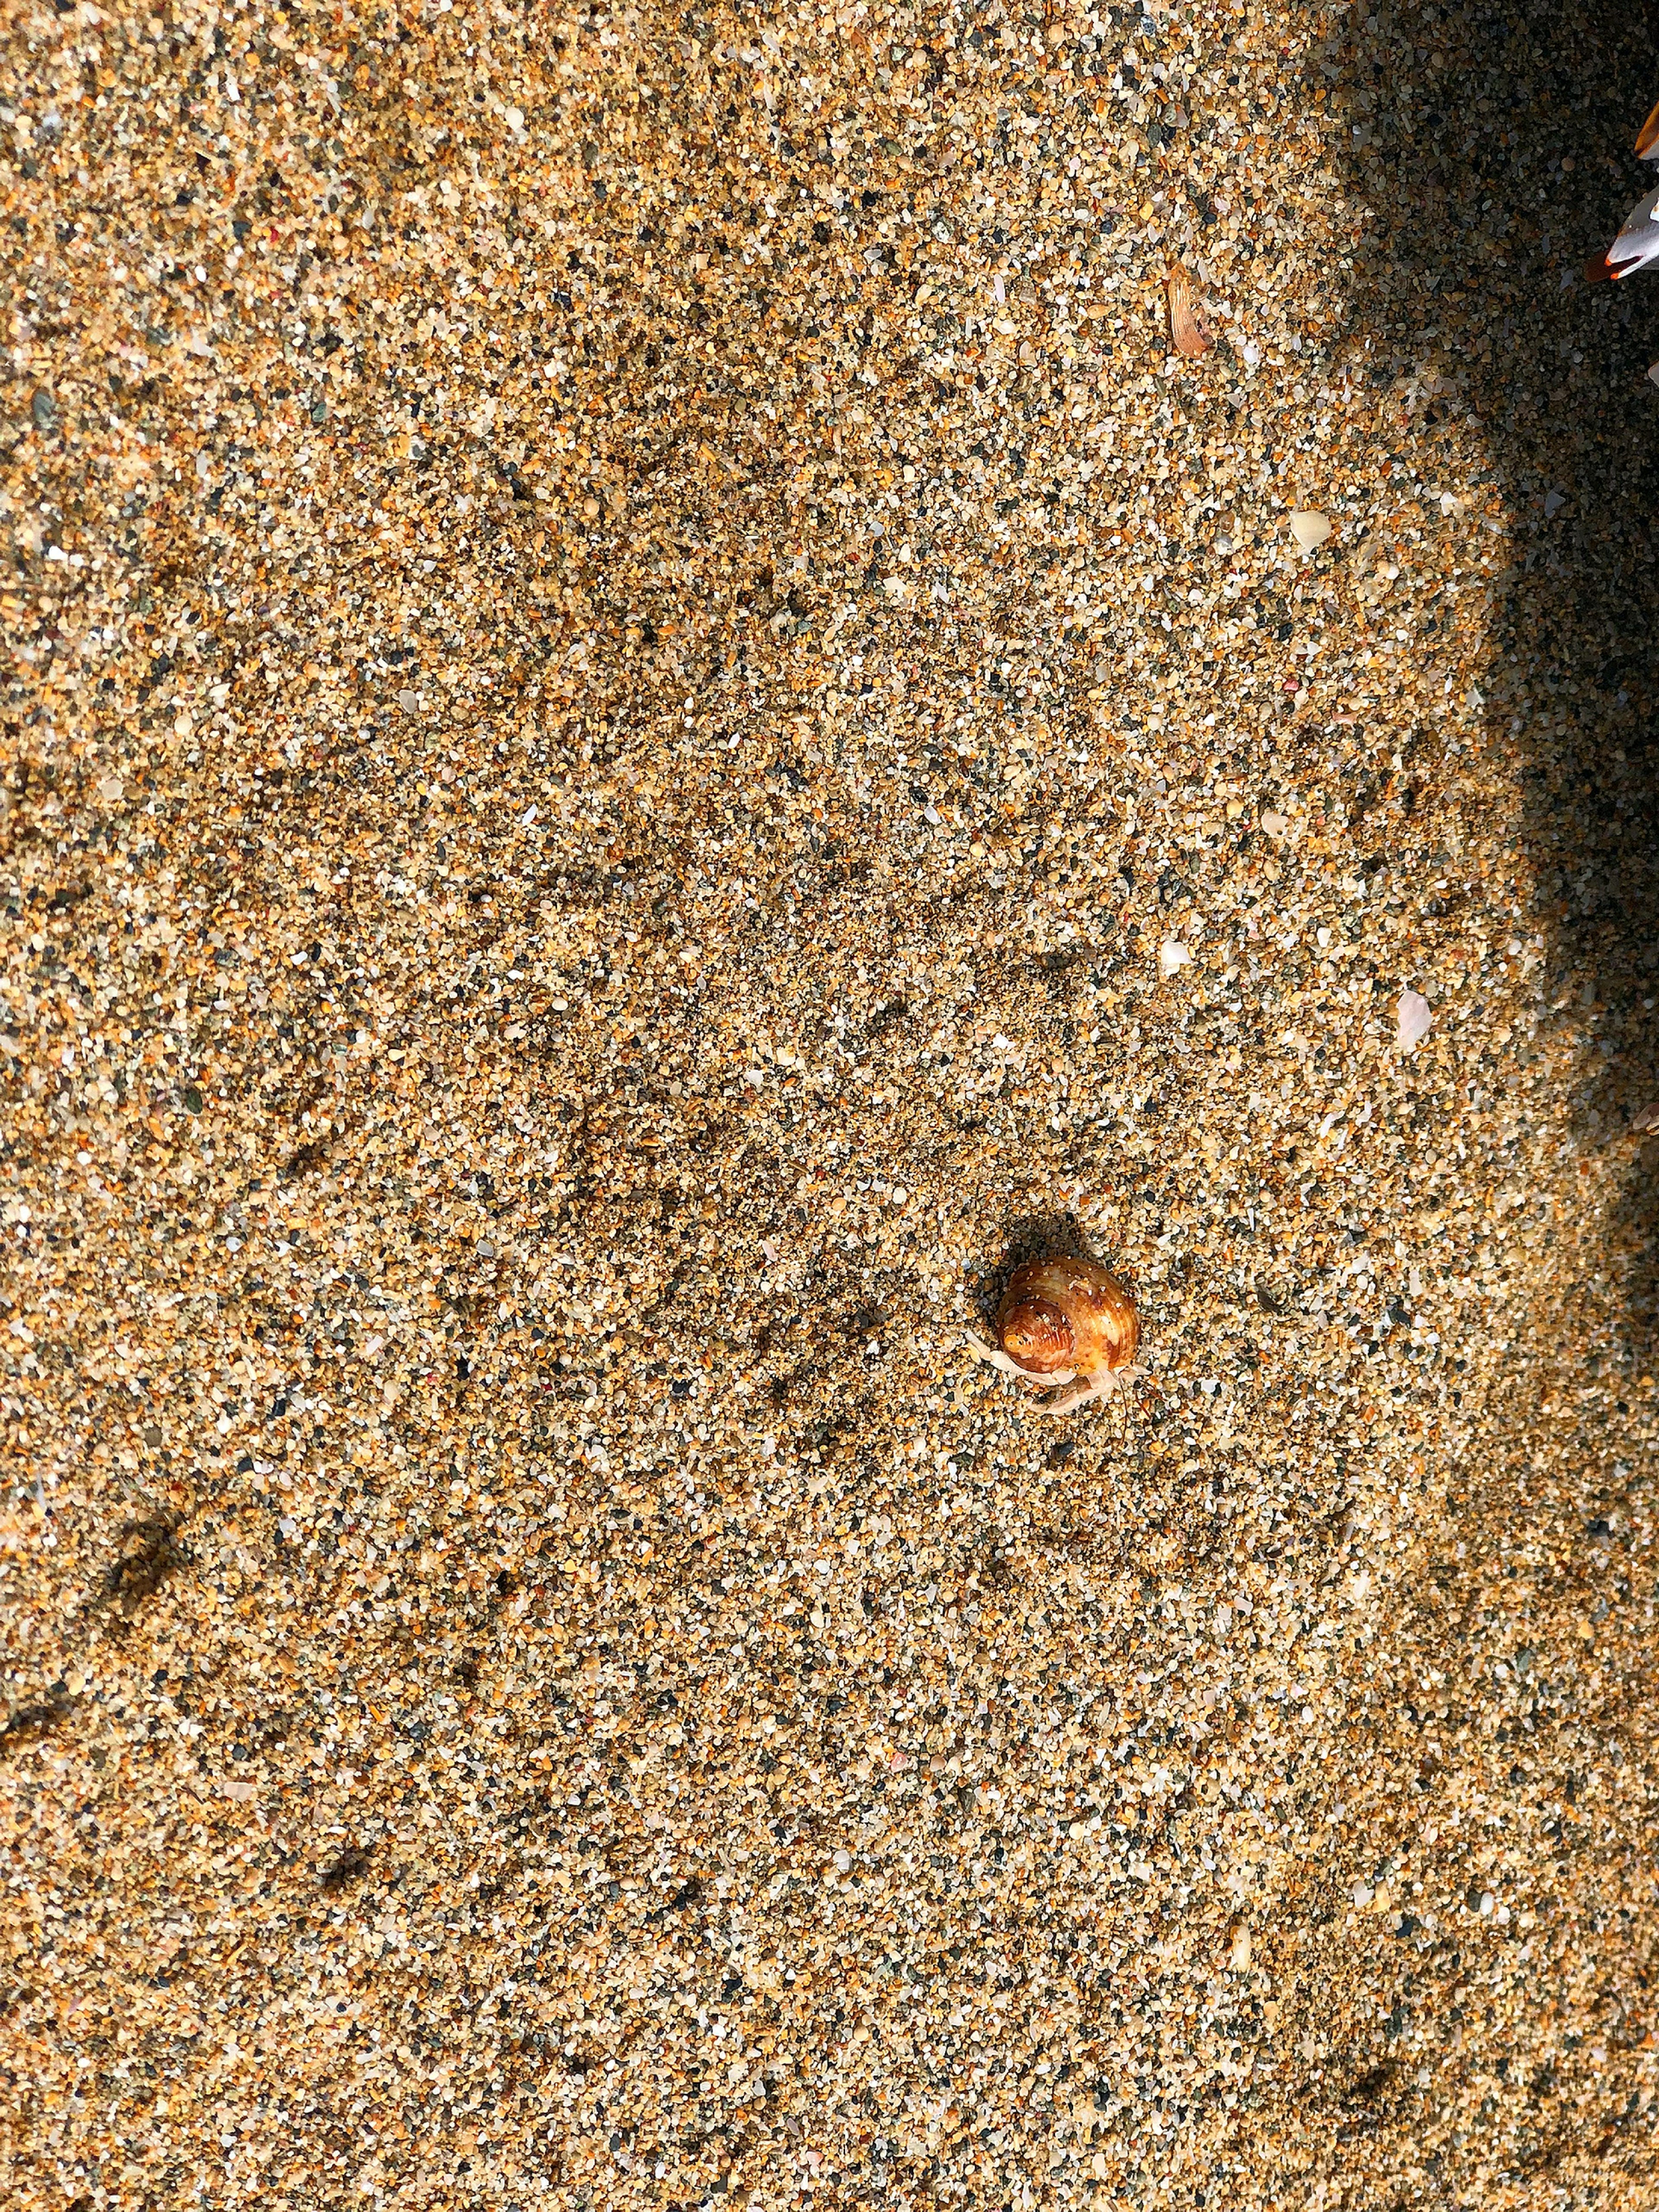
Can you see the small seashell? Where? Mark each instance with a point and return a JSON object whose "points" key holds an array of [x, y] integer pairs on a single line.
{"points": [[1276, 825], [1064, 1323], [1188, 333], [1310, 528], [1066, 1316], [1171, 955], [1415, 1014], [1239, 1947]]}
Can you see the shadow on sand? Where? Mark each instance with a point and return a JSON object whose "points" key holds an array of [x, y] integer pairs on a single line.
{"points": [[1495, 145]]}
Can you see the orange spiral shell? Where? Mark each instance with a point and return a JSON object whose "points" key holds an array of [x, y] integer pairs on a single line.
{"points": [[1060, 1315]]}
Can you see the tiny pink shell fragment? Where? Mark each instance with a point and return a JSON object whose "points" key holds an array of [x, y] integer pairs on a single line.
{"points": [[1415, 1016]]}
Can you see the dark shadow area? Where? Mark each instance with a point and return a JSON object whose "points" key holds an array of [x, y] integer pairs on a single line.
{"points": [[1495, 146]]}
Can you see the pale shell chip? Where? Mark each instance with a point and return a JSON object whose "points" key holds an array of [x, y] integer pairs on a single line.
{"points": [[1415, 1014], [1310, 528]]}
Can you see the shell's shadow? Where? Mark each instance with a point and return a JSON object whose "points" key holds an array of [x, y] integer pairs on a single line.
{"points": [[1030, 1236]]}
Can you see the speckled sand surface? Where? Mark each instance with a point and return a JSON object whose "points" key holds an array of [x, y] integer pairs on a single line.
{"points": [[629, 659]]}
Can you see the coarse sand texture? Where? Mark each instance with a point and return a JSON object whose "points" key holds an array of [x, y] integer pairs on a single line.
{"points": [[679, 683]]}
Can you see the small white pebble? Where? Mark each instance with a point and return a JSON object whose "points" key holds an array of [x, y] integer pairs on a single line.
{"points": [[1310, 528]]}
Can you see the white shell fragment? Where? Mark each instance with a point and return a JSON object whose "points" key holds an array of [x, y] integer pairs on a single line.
{"points": [[1636, 247], [1310, 528], [1171, 955], [1415, 1016]]}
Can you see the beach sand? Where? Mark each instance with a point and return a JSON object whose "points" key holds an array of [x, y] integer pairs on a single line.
{"points": [[651, 730]]}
